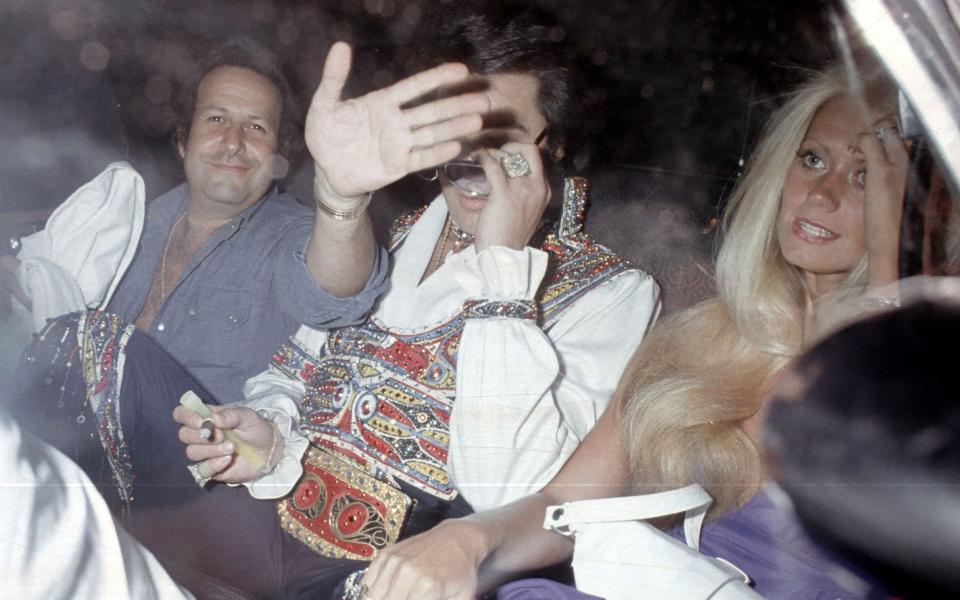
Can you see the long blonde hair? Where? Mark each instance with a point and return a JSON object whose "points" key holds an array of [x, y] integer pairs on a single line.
{"points": [[703, 372]]}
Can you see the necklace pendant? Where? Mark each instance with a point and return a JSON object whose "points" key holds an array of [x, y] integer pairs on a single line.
{"points": [[462, 239]]}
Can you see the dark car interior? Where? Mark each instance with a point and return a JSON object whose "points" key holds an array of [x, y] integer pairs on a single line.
{"points": [[677, 93]]}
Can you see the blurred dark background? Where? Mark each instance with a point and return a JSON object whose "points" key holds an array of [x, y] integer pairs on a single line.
{"points": [[678, 85], [678, 90]]}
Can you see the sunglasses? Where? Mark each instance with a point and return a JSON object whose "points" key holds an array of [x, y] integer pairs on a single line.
{"points": [[469, 177]]}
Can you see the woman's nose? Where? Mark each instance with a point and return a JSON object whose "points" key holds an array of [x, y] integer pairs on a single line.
{"points": [[826, 191]]}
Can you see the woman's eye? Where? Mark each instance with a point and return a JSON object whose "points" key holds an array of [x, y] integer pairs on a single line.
{"points": [[257, 127], [811, 160], [215, 119]]}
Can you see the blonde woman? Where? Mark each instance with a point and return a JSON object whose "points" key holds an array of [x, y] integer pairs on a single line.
{"points": [[816, 214]]}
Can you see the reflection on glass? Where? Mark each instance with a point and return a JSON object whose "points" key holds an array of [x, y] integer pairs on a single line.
{"points": [[468, 176], [930, 237]]}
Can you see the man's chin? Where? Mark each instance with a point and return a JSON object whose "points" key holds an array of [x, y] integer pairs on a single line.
{"points": [[472, 204], [232, 193]]}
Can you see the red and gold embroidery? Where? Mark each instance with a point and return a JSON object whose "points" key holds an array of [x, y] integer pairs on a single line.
{"points": [[385, 397], [339, 511]]}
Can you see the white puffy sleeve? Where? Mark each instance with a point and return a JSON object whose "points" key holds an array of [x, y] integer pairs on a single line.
{"points": [[276, 396], [57, 536], [525, 397]]}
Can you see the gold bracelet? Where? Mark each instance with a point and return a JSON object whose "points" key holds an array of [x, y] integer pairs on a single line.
{"points": [[340, 215]]}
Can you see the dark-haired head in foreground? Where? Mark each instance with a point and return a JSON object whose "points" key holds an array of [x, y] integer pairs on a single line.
{"points": [[864, 434]]}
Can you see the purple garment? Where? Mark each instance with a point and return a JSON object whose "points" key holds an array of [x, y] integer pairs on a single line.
{"points": [[540, 589], [766, 541]]}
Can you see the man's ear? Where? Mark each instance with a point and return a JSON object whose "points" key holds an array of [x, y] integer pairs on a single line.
{"points": [[559, 153], [180, 139]]}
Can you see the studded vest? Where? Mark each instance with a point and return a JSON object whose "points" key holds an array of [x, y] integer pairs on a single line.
{"points": [[384, 398]]}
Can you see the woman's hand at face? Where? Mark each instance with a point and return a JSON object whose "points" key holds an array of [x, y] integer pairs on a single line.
{"points": [[887, 161], [440, 564], [515, 204]]}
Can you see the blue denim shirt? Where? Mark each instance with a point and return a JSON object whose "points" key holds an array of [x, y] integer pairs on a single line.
{"points": [[243, 293]]}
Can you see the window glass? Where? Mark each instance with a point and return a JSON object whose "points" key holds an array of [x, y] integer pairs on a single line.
{"points": [[676, 97]]}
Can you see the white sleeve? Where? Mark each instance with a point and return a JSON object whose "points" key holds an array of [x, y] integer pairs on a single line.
{"points": [[525, 398], [277, 397], [57, 536]]}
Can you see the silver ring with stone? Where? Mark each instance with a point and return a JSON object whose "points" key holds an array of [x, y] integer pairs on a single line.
{"points": [[352, 587], [206, 429], [882, 132], [515, 165], [201, 479]]}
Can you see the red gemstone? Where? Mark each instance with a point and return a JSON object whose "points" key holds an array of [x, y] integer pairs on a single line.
{"points": [[306, 494], [351, 519]]}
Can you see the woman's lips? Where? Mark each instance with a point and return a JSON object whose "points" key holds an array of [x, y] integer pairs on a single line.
{"points": [[813, 233]]}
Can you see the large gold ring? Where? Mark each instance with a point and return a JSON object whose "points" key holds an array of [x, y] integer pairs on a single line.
{"points": [[515, 165], [201, 479]]}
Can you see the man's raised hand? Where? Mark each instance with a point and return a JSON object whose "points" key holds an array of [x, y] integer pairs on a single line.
{"points": [[366, 143]]}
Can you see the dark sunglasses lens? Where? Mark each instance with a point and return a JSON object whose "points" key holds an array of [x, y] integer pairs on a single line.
{"points": [[468, 177]]}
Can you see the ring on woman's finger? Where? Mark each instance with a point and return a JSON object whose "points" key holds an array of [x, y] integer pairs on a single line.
{"points": [[198, 476], [515, 165], [882, 132]]}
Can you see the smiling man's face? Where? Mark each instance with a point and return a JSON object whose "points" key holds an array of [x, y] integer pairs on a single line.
{"points": [[230, 150]]}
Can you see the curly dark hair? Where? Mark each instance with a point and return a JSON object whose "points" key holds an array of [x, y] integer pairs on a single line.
{"points": [[508, 36]]}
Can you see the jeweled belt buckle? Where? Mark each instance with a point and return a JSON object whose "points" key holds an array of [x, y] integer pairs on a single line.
{"points": [[340, 511]]}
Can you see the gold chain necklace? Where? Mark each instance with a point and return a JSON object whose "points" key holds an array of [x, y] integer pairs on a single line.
{"points": [[163, 258], [463, 239]]}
